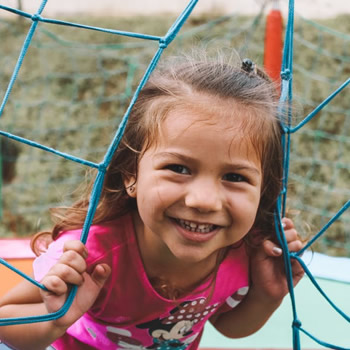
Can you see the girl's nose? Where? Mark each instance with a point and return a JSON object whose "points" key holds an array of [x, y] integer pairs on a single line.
{"points": [[203, 196]]}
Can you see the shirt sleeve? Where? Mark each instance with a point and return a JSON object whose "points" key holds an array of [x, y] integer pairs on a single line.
{"points": [[233, 300], [43, 263]]}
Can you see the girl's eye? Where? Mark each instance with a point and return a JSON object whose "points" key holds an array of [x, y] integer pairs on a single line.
{"points": [[180, 169], [232, 177]]}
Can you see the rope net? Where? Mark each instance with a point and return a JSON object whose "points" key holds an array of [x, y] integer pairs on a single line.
{"points": [[320, 150], [85, 79], [74, 85]]}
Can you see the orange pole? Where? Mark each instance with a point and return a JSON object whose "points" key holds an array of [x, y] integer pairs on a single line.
{"points": [[273, 43]]}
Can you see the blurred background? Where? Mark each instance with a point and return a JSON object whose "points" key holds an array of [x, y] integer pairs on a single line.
{"points": [[74, 86]]}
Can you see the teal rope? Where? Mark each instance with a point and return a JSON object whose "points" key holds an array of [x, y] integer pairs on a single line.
{"points": [[49, 149], [38, 18], [97, 187], [320, 106], [23, 52], [313, 280], [284, 109], [325, 227], [320, 342], [19, 272], [286, 98]]}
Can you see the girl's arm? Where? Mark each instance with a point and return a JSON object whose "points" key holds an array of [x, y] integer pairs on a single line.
{"points": [[27, 300], [267, 290]]}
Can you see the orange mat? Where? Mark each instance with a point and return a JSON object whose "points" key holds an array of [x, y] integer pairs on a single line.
{"points": [[17, 252], [9, 278]]}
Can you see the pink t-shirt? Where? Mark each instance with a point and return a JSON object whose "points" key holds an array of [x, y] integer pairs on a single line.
{"points": [[129, 313]]}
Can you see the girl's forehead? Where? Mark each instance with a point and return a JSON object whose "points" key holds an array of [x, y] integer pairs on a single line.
{"points": [[240, 125], [196, 129], [205, 118]]}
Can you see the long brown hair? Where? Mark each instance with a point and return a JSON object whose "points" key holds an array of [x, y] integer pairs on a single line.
{"points": [[178, 81]]}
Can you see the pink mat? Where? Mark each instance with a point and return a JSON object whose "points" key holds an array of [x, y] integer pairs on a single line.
{"points": [[15, 249]]}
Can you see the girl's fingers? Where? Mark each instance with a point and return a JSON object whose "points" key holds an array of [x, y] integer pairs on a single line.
{"points": [[293, 239], [271, 249], [74, 260], [65, 273], [295, 246], [100, 274], [55, 285], [287, 223], [68, 270], [291, 235], [76, 246]]}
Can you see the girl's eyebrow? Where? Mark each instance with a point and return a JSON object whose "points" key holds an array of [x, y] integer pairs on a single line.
{"points": [[173, 154], [179, 156], [231, 166]]}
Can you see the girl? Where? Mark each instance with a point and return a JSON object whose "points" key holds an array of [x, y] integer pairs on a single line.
{"points": [[184, 229]]}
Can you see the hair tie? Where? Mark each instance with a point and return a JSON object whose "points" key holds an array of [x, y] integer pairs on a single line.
{"points": [[249, 66]]}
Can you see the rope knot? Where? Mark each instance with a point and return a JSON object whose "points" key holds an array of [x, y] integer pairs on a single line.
{"points": [[163, 44], [285, 75], [297, 323], [36, 18], [293, 254], [102, 168]]}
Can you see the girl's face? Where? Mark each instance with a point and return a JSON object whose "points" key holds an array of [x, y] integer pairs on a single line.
{"points": [[198, 187]]}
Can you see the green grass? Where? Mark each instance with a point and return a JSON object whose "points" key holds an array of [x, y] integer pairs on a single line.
{"points": [[74, 86]]}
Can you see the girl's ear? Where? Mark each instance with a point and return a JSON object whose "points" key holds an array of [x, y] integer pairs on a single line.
{"points": [[130, 186]]}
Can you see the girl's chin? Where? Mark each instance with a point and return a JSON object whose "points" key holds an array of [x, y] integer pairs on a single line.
{"points": [[192, 254], [191, 257]]}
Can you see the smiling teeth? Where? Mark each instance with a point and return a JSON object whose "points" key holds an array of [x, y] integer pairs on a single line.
{"points": [[194, 227]]}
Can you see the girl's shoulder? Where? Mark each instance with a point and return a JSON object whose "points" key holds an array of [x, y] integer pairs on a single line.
{"points": [[110, 237], [115, 231], [103, 239]]}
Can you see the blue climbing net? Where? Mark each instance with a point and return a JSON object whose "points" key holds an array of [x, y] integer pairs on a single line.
{"points": [[163, 42]]}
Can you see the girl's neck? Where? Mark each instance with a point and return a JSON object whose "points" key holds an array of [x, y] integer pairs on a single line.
{"points": [[160, 264]]}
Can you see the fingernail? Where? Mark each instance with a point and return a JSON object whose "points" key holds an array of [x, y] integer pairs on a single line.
{"points": [[277, 251], [283, 224], [85, 253]]}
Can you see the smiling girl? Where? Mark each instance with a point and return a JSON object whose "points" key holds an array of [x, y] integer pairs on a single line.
{"points": [[183, 233]]}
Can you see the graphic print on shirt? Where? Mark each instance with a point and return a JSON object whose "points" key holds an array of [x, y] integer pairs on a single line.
{"points": [[236, 298], [174, 330], [123, 338]]}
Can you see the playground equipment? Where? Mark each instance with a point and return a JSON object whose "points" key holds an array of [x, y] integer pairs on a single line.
{"points": [[81, 160]]}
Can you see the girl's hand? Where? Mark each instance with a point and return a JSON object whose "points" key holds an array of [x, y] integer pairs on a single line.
{"points": [[268, 276], [71, 270]]}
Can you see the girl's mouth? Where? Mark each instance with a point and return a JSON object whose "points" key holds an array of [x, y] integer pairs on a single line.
{"points": [[196, 227]]}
